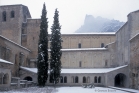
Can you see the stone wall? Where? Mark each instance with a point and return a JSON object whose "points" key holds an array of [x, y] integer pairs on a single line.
{"points": [[17, 54], [10, 25]]}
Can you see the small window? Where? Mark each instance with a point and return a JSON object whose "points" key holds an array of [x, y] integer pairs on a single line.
{"points": [[102, 45], [79, 45], [12, 14], [4, 15], [106, 62]]}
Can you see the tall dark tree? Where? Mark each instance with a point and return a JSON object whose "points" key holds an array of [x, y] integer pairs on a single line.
{"points": [[42, 63], [55, 46]]}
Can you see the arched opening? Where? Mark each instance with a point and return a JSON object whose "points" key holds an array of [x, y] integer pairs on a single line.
{"points": [[28, 78], [119, 80], [84, 79], [61, 79], [95, 79], [99, 79], [12, 14], [76, 79], [5, 79], [65, 79]]}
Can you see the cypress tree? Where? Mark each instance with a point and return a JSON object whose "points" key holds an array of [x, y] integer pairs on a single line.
{"points": [[42, 63], [55, 47]]}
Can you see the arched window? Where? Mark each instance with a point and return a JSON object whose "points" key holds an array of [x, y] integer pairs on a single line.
{"points": [[61, 79], [95, 79], [84, 79], [88, 79], [99, 79], [72, 79], [5, 79], [4, 15], [65, 79], [79, 45], [80, 64], [12, 14], [76, 79], [102, 45], [1, 78]]}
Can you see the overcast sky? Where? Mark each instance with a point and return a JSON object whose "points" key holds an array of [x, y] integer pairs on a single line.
{"points": [[72, 12]]}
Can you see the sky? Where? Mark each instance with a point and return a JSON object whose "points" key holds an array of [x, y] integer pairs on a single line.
{"points": [[72, 12]]}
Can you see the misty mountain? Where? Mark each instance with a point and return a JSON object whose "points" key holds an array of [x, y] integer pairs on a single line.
{"points": [[99, 24]]}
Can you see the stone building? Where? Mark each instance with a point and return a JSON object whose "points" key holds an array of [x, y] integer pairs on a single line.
{"points": [[104, 59]]}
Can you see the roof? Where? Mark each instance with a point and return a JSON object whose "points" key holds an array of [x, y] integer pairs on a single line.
{"points": [[94, 33], [94, 70], [4, 61], [134, 37], [14, 43], [83, 49]]}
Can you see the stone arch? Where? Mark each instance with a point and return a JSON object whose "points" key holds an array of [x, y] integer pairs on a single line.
{"points": [[99, 79], [120, 80], [61, 79], [65, 79], [1, 78], [76, 79], [95, 79], [5, 78], [28, 78], [84, 79]]}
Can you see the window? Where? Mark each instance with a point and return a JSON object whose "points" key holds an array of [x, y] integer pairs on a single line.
{"points": [[102, 45], [95, 79], [80, 64], [99, 79], [106, 62], [12, 14], [61, 79], [84, 79], [65, 79], [21, 59], [76, 79], [4, 15], [79, 45]]}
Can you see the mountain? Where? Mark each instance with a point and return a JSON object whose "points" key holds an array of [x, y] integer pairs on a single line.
{"points": [[99, 24]]}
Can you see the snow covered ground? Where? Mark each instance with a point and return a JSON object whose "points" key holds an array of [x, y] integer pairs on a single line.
{"points": [[66, 90]]}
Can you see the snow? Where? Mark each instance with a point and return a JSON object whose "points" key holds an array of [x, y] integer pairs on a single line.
{"points": [[94, 33], [94, 70], [65, 90], [125, 89], [14, 43], [82, 49], [4, 61], [134, 36]]}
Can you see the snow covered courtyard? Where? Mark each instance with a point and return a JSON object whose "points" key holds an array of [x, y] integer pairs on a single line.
{"points": [[69, 90]]}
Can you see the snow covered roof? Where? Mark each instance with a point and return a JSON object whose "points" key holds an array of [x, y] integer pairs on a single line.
{"points": [[94, 70], [134, 37], [82, 49], [14, 43], [4, 61], [94, 33]]}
